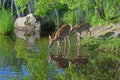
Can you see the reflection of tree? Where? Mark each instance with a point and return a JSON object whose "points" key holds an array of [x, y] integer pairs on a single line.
{"points": [[6, 49], [36, 61], [8, 61]]}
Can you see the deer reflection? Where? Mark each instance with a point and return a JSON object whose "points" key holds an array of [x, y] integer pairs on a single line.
{"points": [[59, 60], [79, 61]]}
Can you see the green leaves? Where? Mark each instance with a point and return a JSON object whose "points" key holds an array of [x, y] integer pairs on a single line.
{"points": [[21, 3]]}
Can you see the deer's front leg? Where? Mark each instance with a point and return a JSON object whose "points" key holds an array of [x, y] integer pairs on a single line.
{"points": [[68, 39], [65, 45], [58, 47], [78, 43]]}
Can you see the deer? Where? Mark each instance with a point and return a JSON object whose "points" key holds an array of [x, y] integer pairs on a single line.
{"points": [[79, 29], [60, 35], [82, 27], [79, 61], [59, 60]]}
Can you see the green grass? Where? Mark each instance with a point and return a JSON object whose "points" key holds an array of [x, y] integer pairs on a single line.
{"points": [[6, 22]]}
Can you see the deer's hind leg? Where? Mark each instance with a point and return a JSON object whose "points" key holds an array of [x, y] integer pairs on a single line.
{"points": [[89, 32]]}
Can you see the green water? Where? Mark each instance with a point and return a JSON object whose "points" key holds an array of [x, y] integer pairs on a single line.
{"points": [[19, 61], [11, 66]]}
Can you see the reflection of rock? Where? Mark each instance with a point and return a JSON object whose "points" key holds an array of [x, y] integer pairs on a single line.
{"points": [[27, 26]]}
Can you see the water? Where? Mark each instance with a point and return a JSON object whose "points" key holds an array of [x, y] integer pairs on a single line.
{"points": [[11, 66], [21, 61]]}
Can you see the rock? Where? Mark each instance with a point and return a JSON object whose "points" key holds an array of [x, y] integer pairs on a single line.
{"points": [[105, 31], [26, 26]]}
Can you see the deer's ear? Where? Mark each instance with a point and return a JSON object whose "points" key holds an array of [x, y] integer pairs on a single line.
{"points": [[50, 37]]}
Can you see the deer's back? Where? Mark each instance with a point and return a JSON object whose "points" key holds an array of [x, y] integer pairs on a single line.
{"points": [[83, 27], [63, 31]]}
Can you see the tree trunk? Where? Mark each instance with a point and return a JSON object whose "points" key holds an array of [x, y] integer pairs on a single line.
{"points": [[4, 3], [12, 2], [1, 2], [86, 14], [29, 8], [116, 5], [101, 12], [34, 5], [57, 17], [78, 16], [100, 9], [18, 13]]}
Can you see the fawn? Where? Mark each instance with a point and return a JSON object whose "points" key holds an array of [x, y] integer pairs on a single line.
{"points": [[82, 27], [79, 60], [60, 61], [60, 35], [79, 29]]}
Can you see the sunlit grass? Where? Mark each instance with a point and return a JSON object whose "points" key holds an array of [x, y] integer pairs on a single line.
{"points": [[6, 22]]}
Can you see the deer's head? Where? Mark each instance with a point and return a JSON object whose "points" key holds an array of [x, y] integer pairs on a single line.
{"points": [[51, 42]]}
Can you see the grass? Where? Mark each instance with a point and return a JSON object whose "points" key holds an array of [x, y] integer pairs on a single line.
{"points": [[6, 22]]}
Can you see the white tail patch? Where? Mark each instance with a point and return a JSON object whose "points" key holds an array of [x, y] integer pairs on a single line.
{"points": [[50, 37]]}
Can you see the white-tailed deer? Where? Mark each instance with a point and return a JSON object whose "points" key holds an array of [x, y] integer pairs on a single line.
{"points": [[59, 60], [79, 29], [60, 35], [79, 61], [82, 27]]}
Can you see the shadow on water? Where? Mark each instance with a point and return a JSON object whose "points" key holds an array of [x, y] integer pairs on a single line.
{"points": [[11, 66]]}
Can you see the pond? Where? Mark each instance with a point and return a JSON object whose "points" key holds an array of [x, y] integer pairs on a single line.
{"points": [[11, 66], [20, 61]]}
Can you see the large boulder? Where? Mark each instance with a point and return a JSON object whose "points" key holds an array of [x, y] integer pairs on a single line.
{"points": [[104, 31], [107, 31], [25, 27]]}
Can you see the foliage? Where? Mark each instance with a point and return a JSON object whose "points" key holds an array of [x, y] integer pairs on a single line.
{"points": [[112, 45], [104, 45], [47, 6], [97, 12], [36, 61], [91, 43], [22, 4], [6, 22], [82, 10], [6, 45]]}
